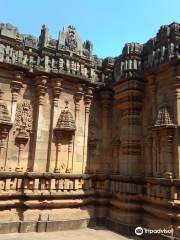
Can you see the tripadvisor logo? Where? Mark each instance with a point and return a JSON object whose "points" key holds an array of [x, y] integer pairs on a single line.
{"points": [[139, 231]]}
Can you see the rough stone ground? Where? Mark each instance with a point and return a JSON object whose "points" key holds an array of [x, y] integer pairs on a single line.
{"points": [[80, 234]]}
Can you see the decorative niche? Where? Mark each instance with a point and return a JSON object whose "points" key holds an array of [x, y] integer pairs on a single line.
{"points": [[64, 135]]}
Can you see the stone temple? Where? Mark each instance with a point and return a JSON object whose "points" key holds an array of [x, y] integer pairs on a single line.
{"points": [[86, 141]]}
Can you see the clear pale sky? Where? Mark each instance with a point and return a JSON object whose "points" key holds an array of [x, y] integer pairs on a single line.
{"points": [[109, 24]]}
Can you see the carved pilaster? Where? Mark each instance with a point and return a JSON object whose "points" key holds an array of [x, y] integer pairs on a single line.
{"points": [[153, 89], [5, 126], [21, 139], [106, 100], [78, 114], [41, 89], [177, 121], [58, 153], [56, 84], [87, 102], [106, 103], [148, 156], [69, 164]]}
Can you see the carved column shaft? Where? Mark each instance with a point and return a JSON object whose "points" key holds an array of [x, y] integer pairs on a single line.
{"points": [[58, 154], [152, 88], [148, 156], [69, 165], [19, 168], [106, 103], [177, 121], [77, 101], [16, 85], [5, 126], [41, 88], [56, 92], [130, 104], [87, 101]]}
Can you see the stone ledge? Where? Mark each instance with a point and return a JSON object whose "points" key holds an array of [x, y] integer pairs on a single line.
{"points": [[49, 226]]}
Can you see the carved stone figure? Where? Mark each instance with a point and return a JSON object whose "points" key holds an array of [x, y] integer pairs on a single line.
{"points": [[23, 120], [70, 41]]}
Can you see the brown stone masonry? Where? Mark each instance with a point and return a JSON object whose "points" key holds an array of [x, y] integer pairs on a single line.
{"points": [[86, 141]]}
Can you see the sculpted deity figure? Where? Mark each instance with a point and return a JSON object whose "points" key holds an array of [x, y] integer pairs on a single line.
{"points": [[70, 41]]}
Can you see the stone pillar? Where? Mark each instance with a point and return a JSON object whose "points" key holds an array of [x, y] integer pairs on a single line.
{"points": [[150, 143], [21, 139], [106, 103], [169, 156], [16, 85], [78, 138], [156, 154], [69, 163], [39, 155], [130, 103], [148, 156], [87, 102], [56, 91], [116, 156], [152, 89], [5, 126], [176, 161], [58, 155]]}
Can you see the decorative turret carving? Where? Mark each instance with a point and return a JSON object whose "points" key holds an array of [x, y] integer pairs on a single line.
{"points": [[65, 122], [128, 65], [69, 39], [45, 39], [57, 56], [163, 118], [163, 47], [10, 31]]}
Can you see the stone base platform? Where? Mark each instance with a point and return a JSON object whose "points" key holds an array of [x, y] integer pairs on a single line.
{"points": [[97, 233]]}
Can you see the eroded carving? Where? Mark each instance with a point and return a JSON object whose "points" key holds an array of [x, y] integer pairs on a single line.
{"points": [[23, 119]]}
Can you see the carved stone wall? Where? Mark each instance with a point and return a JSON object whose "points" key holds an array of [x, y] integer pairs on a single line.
{"points": [[88, 141]]}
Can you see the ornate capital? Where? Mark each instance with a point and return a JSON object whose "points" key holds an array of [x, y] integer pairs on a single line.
{"points": [[41, 88], [78, 96], [88, 98], [56, 84], [16, 84], [22, 137]]}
